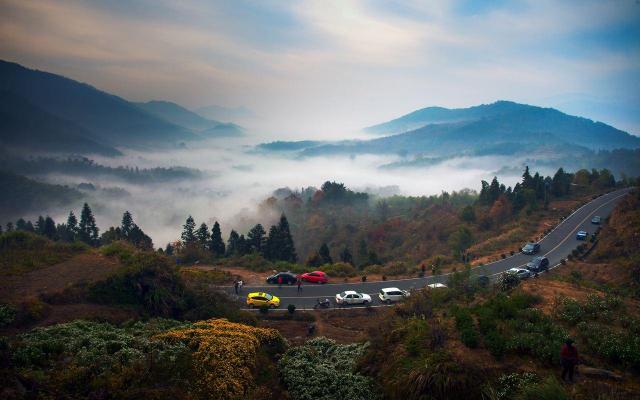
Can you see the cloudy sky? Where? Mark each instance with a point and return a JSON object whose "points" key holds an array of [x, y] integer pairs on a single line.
{"points": [[315, 68]]}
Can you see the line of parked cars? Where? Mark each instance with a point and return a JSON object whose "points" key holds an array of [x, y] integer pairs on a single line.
{"points": [[289, 278]]}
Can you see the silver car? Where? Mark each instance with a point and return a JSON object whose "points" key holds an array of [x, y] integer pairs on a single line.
{"points": [[352, 297], [520, 272], [388, 295]]}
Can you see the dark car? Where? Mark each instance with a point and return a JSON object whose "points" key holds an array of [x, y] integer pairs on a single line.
{"points": [[287, 278], [596, 220], [531, 248], [538, 264], [582, 235]]}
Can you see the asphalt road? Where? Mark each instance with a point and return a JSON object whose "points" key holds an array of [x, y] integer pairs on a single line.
{"points": [[556, 245]]}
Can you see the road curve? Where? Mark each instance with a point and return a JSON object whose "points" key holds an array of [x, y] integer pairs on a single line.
{"points": [[556, 245]]}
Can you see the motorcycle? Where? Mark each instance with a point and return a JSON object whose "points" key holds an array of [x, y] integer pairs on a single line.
{"points": [[322, 304]]}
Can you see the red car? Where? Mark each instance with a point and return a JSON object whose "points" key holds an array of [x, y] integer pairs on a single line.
{"points": [[315, 277]]}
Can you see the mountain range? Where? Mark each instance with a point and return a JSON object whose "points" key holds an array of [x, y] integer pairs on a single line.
{"points": [[487, 129], [49, 112]]}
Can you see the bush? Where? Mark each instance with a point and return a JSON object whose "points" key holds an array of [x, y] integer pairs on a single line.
{"points": [[549, 389], [512, 384], [321, 369], [7, 315], [340, 270], [291, 308], [395, 268]]}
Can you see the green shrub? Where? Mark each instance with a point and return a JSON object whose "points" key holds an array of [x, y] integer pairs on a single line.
{"points": [[291, 308], [512, 384], [321, 369], [549, 389], [7, 315], [616, 346], [339, 270], [395, 268]]}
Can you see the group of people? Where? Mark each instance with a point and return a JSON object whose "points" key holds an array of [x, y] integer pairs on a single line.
{"points": [[237, 285]]}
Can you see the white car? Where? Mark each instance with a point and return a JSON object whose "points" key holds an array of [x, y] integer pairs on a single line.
{"points": [[520, 272], [352, 297], [437, 286], [387, 295]]}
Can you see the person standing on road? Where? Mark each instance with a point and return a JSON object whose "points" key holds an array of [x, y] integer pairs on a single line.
{"points": [[279, 281], [568, 359], [240, 284], [236, 285], [299, 285]]}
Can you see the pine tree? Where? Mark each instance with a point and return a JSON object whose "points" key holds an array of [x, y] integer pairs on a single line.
{"points": [[256, 239], [202, 234], [242, 246], [169, 249], [21, 225], [345, 256], [325, 254], [188, 231], [127, 224], [272, 244], [40, 225], [72, 227], [29, 227], [9, 226], [50, 228], [527, 179], [217, 244], [87, 229], [232, 243], [287, 248]]}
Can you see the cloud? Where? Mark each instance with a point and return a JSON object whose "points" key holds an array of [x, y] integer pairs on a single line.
{"points": [[326, 68]]}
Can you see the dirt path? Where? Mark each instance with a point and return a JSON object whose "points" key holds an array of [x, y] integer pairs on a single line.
{"points": [[86, 267]]}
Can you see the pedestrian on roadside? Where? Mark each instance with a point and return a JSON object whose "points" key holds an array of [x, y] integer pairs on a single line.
{"points": [[299, 285], [568, 359], [240, 284], [279, 281], [236, 285]]}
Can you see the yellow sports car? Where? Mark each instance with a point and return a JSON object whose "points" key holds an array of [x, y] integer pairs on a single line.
{"points": [[259, 299]]}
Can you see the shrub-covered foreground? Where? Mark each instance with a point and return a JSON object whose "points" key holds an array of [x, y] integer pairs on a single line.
{"points": [[321, 369], [213, 359]]}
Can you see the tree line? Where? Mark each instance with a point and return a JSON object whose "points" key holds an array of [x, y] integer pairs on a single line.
{"points": [[84, 230]]}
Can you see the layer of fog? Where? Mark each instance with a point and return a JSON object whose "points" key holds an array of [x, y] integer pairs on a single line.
{"points": [[236, 180]]}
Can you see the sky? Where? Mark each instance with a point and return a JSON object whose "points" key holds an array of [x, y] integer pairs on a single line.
{"points": [[323, 69]]}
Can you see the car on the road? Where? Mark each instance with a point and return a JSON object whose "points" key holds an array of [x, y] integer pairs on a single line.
{"points": [[582, 235], [352, 297], [288, 278], [315, 277], [260, 299], [596, 220], [392, 294], [538, 264], [436, 286], [521, 273], [531, 248]]}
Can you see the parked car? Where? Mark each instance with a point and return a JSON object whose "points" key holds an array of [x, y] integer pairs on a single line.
{"points": [[531, 248], [259, 299], [352, 297], [538, 264], [596, 220], [582, 235], [315, 277], [388, 295], [520, 272], [287, 278], [436, 286]]}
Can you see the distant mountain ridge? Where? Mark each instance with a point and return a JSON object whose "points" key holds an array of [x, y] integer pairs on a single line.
{"points": [[467, 131], [176, 114]]}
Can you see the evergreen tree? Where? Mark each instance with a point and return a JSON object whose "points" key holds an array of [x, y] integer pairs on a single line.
{"points": [[188, 231], [29, 227], [232, 243], [9, 226], [50, 228], [468, 214], [87, 228], [314, 260], [494, 190], [202, 234], [287, 249], [40, 225], [217, 244], [527, 179], [139, 239], [168, 250], [345, 256], [127, 224], [21, 225], [256, 239], [372, 258], [363, 253], [272, 244], [325, 254], [72, 227], [1, 232], [243, 248]]}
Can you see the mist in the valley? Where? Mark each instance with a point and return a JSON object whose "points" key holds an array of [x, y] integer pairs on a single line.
{"points": [[236, 179]]}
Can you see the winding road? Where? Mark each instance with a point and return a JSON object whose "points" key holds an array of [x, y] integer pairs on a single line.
{"points": [[556, 245]]}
